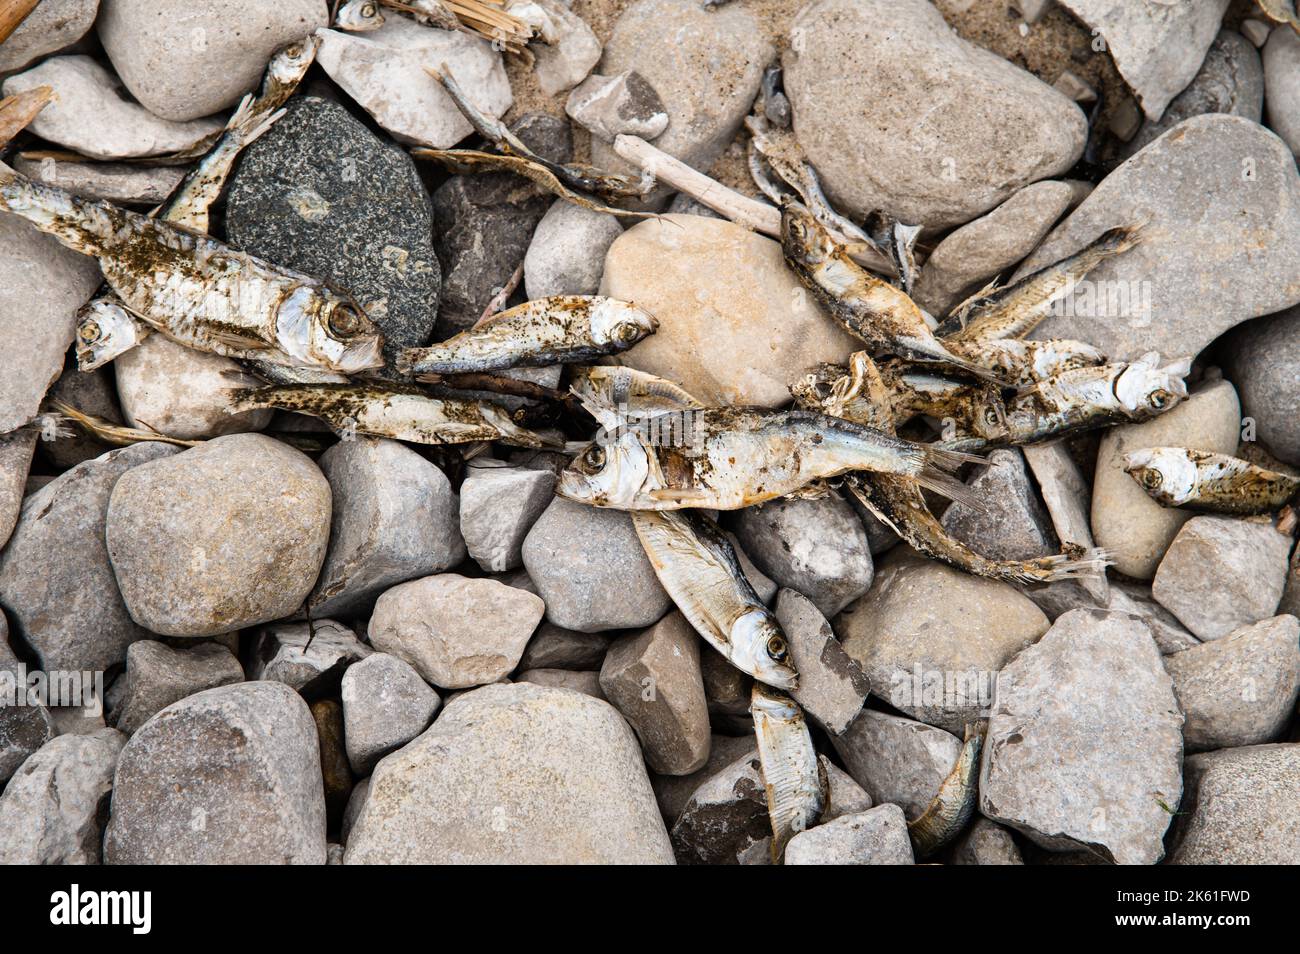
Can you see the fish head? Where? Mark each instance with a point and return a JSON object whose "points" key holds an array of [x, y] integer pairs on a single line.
{"points": [[610, 472], [1145, 389], [104, 330], [359, 16], [1167, 474], [803, 240], [760, 648], [324, 328], [988, 415], [619, 324], [291, 61]]}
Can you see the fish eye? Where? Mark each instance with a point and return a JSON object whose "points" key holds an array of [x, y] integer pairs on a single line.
{"points": [[776, 648], [990, 415], [594, 458], [344, 321], [293, 50], [368, 10], [89, 332], [1160, 398], [1151, 479], [627, 332]]}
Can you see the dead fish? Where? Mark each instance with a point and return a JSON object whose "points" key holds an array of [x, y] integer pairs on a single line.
{"points": [[283, 374], [105, 329], [562, 329], [629, 392], [1015, 310], [359, 16], [726, 458], [571, 176], [954, 804], [402, 413], [870, 309], [432, 13], [1281, 11], [896, 241], [697, 565], [1023, 363], [1201, 480], [200, 292], [110, 433], [792, 777]]}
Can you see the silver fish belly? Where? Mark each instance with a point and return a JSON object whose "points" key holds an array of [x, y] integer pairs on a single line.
{"points": [[792, 777]]}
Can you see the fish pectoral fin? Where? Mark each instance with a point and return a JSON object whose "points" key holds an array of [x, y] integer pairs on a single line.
{"points": [[234, 341]]}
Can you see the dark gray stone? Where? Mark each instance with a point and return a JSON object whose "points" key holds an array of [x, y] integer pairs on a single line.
{"points": [[1011, 523]]}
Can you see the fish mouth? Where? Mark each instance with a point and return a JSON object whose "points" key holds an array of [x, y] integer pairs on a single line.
{"points": [[573, 486]]}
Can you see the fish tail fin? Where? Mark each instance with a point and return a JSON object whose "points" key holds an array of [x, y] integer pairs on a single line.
{"points": [[1123, 238], [1074, 563], [949, 486], [950, 460]]}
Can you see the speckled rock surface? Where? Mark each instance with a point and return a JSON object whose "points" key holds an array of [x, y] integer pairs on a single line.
{"points": [[875, 837]]}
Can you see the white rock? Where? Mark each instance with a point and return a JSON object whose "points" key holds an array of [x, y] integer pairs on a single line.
{"points": [[52, 26], [498, 506], [565, 60], [611, 106], [567, 252], [875, 837], [385, 705]]}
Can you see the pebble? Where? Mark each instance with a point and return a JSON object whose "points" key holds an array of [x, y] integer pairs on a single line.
{"points": [[118, 182], [182, 59], [158, 675], [1261, 358], [1241, 689], [683, 50], [384, 71], [815, 546], [1242, 807], [1134, 528], [674, 791], [498, 506], [985, 843], [1282, 80], [385, 705], [23, 730], [567, 253], [1221, 573], [181, 392], [1218, 248], [931, 638], [52, 26], [1091, 694], [456, 631], [1011, 522], [554, 647], [323, 194], [43, 278], [969, 256], [483, 225], [653, 678], [590, 568], [395, 519], [266, 805], [1158, 48], [566, 60], [588, 683], [16, 450], [832, 688], [90, 116], [612, 106], [52, 810], [57, 583], [1256, 31], [1231, 80], [860, 74], [310, 658], [735, 325], [520, 774], [897, 760], [725, 820], [200, 547], [875, 837]]}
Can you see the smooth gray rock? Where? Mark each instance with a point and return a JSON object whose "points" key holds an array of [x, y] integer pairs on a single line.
{"points": [[653, 678], [158, 675], [588, 682], [394, 519], [46, 279], [23, 730], [1281, 81], [52, 810], [52, 26], [227, 534], [1217, 195], [356, 802], [1241, 689], [725, 821], [16, 450], [1093, 695], [1242, 807], [554, 647], [874, 837], [567, 253], [590, 568], [514, 774], [55, 577], [1261, 358], [385, 705], [119, 182], [228, 776], [612, 106], [498, 506], [897, 760], [832, 687], [310, 658], [90, 116], [1012, 523], [456, 631], [858, 74], [182, 59], [674, 791], [985, 843], [817, 547], [1221, 573]]}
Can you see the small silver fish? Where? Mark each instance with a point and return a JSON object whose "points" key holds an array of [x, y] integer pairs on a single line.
{"points": [[630, 393], [1023, 363], [562, 329], [698, 567], [1201, 480], [793, 778], [359, 16], [402, 413], [954, 804]]}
